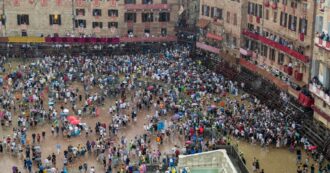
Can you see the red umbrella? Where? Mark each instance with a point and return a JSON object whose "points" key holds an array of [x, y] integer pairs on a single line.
{"points": [[312, 147], [71, 118], [188, 142], [75, 122], [150, 87]]}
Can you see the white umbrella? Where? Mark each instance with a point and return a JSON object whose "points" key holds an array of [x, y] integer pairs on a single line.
{"points": [[66, 111]]}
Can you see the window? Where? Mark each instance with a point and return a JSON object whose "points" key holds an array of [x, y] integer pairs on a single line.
{"points": [[284, 2], [218, 13], [292, 23], [319, 23], [250, 26], [212, 12], [207, 11], [228, 17], [164, 17], [130, 17], [146, 1], [235, 19], [280, 59], [234, 42], [55, 19], [264, 50], [97, 12], [80, 12], [203, 12], [97, 24], [23, 19], [272, 54], [146, 31], [255, 9], [267, 14], [164, 2], [130, 32], [259, 14], [250, 8], [112, 13], [275, 17], [284, 18], [2, 19], [294, 4], [147, 17], [303, 26], [112, 24], [80, 23], [163, 32], [130, 1]]}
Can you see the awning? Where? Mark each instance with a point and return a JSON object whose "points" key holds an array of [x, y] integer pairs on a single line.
{"points": [[202, 23]]}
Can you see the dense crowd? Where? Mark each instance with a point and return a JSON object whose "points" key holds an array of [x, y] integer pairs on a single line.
{"points": [[189, 104]]}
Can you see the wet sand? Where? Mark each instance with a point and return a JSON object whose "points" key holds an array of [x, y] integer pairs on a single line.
{"points": [[272, 160]]}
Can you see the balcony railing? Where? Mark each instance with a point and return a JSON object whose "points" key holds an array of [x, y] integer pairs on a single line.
{"points": [[147, 6], [322, 43], [147, 39], [319, 93], [276, 45], [207, 47]]}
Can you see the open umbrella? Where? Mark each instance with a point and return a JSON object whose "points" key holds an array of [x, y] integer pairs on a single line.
{"points": [[66, 111], [75, 122], [71, 118], [314, 147], [150, 87], [176, 117]]}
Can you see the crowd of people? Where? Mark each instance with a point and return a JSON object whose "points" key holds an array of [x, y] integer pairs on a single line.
{"points": [[180, 101]]}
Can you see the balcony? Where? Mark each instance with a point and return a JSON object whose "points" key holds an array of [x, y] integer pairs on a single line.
{"points": [[147, 39], [319, 93], [207, 47], [276, 45], [322, 43], [147, 6]]}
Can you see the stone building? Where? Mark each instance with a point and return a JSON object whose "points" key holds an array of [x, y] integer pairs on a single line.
{"points": [[220, 24], [278, 41], [320, 70], [106, 18]]}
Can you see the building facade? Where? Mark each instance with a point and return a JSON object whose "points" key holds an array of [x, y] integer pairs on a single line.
{"points": [[104, 18], [278, 41], [320, 71], [220, 24]]}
